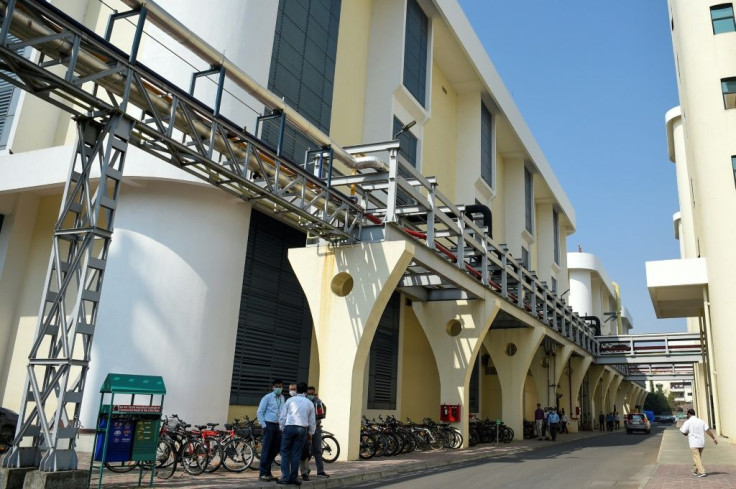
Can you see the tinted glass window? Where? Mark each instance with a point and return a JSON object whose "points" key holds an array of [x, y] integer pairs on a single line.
{"points": [[415, 51], [722, 18]]}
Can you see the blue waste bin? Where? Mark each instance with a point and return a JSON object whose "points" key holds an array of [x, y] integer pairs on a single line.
{"points": [[119, 443]]}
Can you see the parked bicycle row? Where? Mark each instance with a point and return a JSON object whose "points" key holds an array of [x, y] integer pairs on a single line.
{"points": [[388, 437], [489, 431], [204, 448]]}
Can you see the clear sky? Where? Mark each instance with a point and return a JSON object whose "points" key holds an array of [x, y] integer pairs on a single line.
{"points": [[593, 80]]}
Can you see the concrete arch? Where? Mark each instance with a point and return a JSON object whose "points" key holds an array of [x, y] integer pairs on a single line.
{"points": [[455, 355], [344, 326]]}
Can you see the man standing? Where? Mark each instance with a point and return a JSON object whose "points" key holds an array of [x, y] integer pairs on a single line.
{"points": [[553, 419], [268, 417], [297, 424], [320, 411], [695, 429], [539, 421], [563, 422], [602, 421]]}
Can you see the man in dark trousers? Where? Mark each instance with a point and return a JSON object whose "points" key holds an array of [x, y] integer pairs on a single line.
{"points": [[539, 421], [320, 411], [602, 421], [268, 416]]}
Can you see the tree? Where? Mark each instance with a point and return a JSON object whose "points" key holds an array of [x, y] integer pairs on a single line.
{"points": [[657, 402]]}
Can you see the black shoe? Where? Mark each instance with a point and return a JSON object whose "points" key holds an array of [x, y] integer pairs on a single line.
{"points": [[323, 474], [265, 478], [305, 477], [295, 483]]}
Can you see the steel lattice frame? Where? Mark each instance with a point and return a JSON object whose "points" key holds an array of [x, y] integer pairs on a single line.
{"points": [[60, 355]]}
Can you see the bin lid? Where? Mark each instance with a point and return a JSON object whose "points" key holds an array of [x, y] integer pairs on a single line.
{"points": [[133, 384]]}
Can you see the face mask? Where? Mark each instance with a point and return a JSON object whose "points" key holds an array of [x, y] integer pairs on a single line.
{"points": [[277, 391], [292, 393], [310, 397]]}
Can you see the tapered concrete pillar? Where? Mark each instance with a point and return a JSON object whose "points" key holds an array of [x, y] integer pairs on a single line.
{"points": [[700, 394], [347, 289], [546, 368], [512, 351], [578, 368], [595, 372], [455, 330], [627, 389], [612, 393], [606, 377]]}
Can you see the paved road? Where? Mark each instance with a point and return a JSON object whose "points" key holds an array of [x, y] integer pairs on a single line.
{"points": [[618, 460]]}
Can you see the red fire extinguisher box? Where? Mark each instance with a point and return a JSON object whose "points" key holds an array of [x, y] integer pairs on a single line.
{"points": [[450, 413]]}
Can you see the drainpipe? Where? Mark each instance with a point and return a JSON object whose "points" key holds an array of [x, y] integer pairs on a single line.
{"points": [[487, 216], [182, 34]]}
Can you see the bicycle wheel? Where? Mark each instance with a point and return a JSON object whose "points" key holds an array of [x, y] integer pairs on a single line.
{"points": [[367, 446], [506, 435], [165, 459], [330, 448], [193, 457], [436, 440], [457, 439], [214, 454], [120, 467], [237, 455]]}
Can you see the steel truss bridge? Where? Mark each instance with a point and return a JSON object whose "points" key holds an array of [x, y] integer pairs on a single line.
{"points": [[116, 102]]}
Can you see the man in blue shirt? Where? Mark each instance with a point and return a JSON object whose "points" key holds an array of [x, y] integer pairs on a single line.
{"points": [[553, 419], [268, 413]]}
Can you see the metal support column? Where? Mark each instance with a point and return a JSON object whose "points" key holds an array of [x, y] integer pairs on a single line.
{"points": [[60, 356]]}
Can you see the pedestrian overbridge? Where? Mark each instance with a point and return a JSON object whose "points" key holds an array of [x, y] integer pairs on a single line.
{"points": [[660, 356]]}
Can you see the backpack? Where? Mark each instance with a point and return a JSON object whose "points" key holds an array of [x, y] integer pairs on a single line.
{"points": [[320, 410]]}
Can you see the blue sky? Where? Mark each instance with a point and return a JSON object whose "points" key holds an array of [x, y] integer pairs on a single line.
{"points": [[593, 81]]}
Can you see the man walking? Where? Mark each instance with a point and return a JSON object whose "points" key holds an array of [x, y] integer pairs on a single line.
{"points": [[554, 419], [695, 429], [268, 417], [539, 421], [298, 424]]}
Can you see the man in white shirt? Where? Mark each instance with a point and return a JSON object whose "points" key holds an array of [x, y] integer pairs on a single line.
{"points": [[297, 422], [695, 429]]}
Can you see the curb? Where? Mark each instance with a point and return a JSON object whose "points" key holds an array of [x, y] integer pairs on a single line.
{"points": [[347, 480]]}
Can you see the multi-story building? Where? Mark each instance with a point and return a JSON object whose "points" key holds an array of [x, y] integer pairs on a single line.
{"points": [[219, 295], [701, 144], [594, 295]]}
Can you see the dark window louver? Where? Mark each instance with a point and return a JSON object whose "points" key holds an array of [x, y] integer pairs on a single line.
{"points": [[474, 389], [486, 145], [415, 51], [303, 69], [384, 358], [274, 324], [8, 98]]}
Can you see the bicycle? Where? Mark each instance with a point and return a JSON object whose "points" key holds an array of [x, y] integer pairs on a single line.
{"points": [[330, 447]]}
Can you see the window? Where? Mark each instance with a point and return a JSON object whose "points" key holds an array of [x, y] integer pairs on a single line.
{"points": [[733, 165], [2, 217], [9, 98], [415, 51], [274, 323], [728, 86], [486, 145], [303, 68], [528, 199], [384, 358], [722, 18], [525, 258], [553, 287], [556, 233], [408, 143]]}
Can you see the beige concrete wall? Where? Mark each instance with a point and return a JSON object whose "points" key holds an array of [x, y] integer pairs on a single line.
{"points": [[351, 73], [420, 380], [31, 284], [440, 141]]}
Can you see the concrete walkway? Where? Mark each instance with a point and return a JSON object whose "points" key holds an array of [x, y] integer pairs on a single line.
{"points": [[344, 473], [674, 462]]}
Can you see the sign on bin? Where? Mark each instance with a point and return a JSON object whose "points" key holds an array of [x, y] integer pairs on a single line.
{"points": [[144, 445], [119, 442]]}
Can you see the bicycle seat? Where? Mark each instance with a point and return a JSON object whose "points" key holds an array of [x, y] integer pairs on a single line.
{"points": [[186, 425], [228, 426], [200, 426], [212, 425]]}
